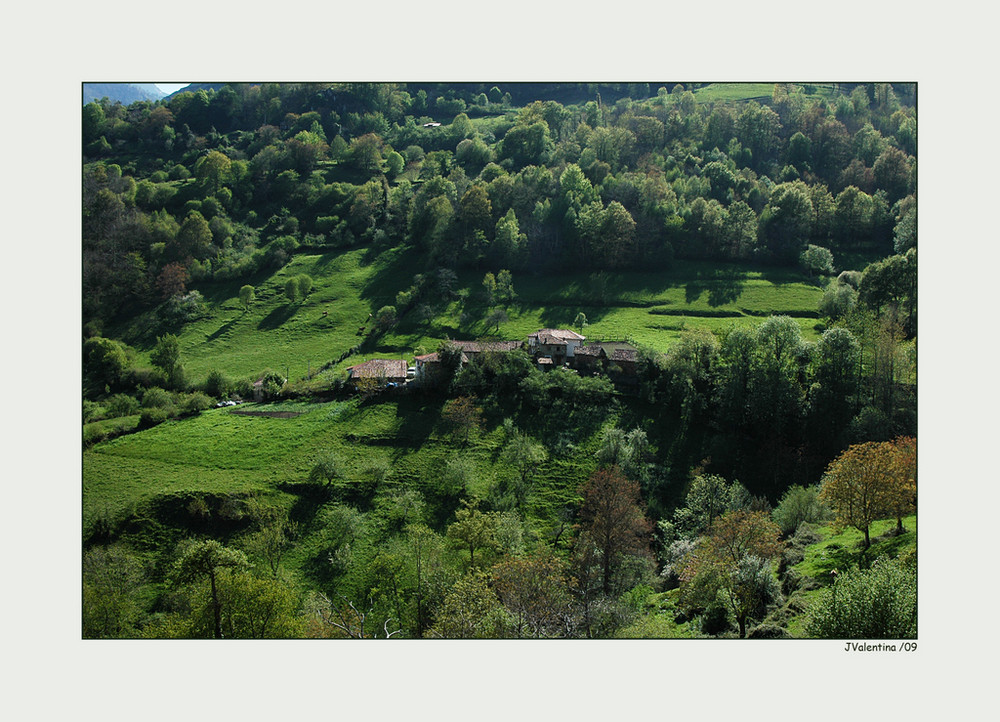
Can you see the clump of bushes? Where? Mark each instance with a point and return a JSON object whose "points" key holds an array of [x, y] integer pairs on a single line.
{"points": [[152, 417], [92, 411], [798, 505], [880, 603], [217, 385], [155, 397], [196, 403], [122, 405]]}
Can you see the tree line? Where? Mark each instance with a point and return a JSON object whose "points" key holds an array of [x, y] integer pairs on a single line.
{"points": [[220, 184]]}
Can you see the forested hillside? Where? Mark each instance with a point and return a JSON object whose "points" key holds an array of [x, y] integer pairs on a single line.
{"points": [[737, 260]]}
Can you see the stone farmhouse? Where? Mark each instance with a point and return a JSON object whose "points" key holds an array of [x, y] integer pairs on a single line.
{"points": [[550, 347], [554, 343]]}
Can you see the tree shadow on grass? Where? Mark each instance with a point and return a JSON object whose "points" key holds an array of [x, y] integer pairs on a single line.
{"points": [[723, 285], [564, 316], [277, 317], [723, 294], [394, 275], [692, 291], [309, 499], [222, 330]]}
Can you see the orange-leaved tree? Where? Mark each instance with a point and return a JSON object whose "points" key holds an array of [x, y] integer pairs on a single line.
{"points": [[870, 481]]}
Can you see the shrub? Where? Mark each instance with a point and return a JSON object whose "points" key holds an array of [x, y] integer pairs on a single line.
{"points": [[104, 361], [92, 411], [177, 379], [122, 405], [183, 308], [242, 389], [838, 300], [799, 504], [880, 603], [93, 434], [196, 403], [850, 278], [635, 598], [326, 224], [217, 384], [715, 619], [156, 397], [292, 289], [386, 317], [273, 382], [790, 556], [791, 580], [870, 424], [806, 534], [305, 284], [144, 378], [151, 417]]}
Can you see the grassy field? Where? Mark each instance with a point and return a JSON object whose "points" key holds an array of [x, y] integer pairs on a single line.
{"points": [[224, 451], [295, 339], [158, 485], [736, 92]]}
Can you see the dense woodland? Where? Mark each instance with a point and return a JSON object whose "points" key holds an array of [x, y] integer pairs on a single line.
{"points": [[677, 504]]}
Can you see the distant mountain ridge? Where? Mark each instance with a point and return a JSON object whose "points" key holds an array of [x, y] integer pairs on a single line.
{"points": [[123, 92]]}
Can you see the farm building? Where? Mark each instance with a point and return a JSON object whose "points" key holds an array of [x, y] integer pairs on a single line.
{"points": [[429, 368], [618, 357], [557, 343], [382, 369], [474, 348], [626, 359]]}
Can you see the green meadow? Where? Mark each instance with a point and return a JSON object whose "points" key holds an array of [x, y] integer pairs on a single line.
{"points": [[298, 338]]}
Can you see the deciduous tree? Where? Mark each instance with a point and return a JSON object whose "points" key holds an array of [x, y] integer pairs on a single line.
{"points": [[172, 280], [473, 529], [902, 489], [463, 416], [534, 590], [490, 288], [526, 456], [247, 295], [857, 484], [113, 579], [194, 239], [613, 522], [257, 608], [166, 354], [470, 610], [733, 560], [328, 466], [201, 559]]}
